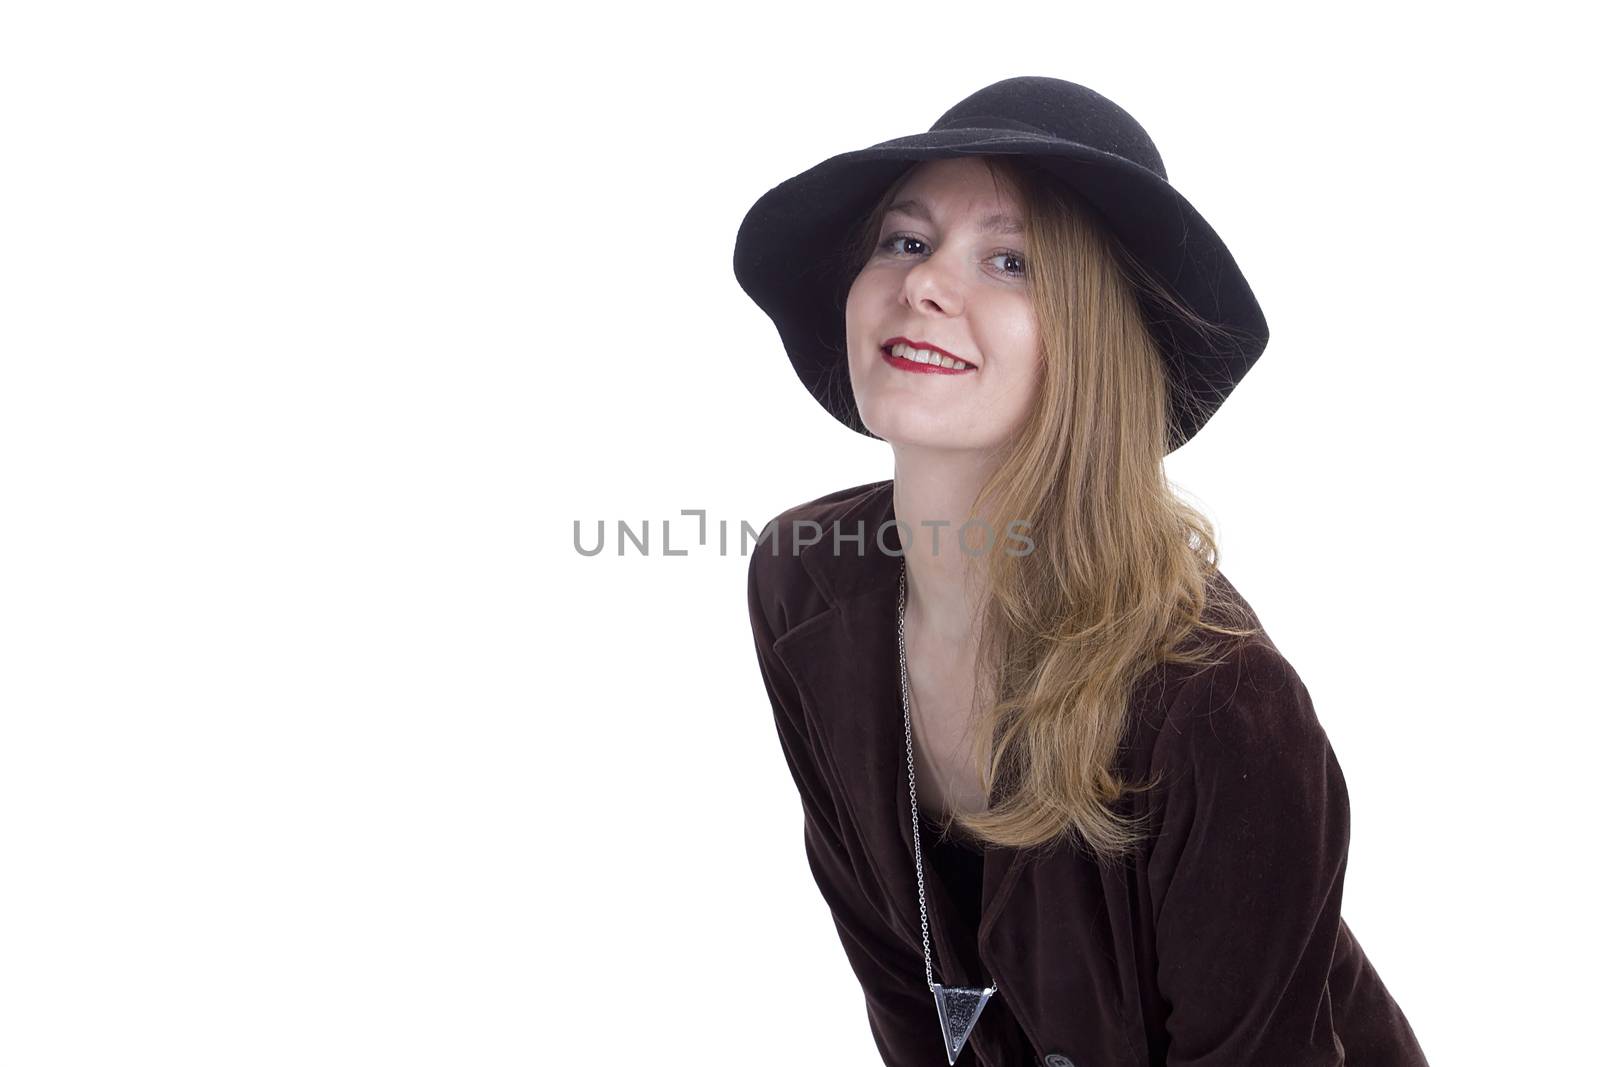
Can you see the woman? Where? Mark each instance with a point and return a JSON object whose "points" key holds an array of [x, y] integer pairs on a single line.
{"points": [[1066, 801]]}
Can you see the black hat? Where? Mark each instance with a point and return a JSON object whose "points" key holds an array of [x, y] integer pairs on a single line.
{"points": [[788, 252]]}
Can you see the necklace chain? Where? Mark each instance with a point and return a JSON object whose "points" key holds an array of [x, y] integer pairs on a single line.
{"points": [[958, 1006], [911, 778]]}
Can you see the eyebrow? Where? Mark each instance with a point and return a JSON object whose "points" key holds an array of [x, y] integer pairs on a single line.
{"points": [[997, 223]]}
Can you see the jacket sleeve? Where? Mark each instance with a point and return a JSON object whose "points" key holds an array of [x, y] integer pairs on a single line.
{"points": [[1247, 869], [900, 1008]]}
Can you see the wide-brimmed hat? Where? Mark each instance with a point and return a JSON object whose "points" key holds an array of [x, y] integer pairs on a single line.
{"points": [[789, 251]]}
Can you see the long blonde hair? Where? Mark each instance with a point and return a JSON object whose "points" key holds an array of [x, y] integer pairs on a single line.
{"points": [[1119, 578]]}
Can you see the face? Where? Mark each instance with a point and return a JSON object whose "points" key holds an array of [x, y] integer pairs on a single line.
{"points": [[945, 277]]}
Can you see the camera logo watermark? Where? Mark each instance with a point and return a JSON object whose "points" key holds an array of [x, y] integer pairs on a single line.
{"points": [[803, 534]]}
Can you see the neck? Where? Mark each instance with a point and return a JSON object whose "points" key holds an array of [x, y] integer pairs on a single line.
{"points": [[934, 491]]}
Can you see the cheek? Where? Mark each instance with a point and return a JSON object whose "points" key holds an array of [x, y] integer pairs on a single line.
{"points": [[867, 286], [1013, 333], [863, 304], [855, 299]]}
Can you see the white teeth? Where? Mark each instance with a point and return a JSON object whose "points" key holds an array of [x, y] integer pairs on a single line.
{"points": [[923, 355]]}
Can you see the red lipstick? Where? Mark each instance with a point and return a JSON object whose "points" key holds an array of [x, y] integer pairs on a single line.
{"points": [[921, 368]]}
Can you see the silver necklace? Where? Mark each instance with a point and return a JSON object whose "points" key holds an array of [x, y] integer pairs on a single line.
{"points": [[958, 1006]]}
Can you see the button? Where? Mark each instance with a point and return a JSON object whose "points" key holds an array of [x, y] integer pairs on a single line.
{"points": [[1056, 1059]]}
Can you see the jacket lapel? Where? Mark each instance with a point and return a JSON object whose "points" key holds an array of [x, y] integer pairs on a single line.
{"points": [[845, 663]]}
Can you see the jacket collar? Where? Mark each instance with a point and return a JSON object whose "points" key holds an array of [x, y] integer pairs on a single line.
{"points": [[845, 662], [861, 566]]}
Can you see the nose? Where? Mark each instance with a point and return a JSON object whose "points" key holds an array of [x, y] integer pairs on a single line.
{"points": [[930, 287]]}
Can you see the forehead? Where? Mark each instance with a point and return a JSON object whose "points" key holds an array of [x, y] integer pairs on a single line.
{"points": [[954, 189]]}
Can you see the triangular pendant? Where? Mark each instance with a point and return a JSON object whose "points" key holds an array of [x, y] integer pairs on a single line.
{"points": [[959, 1009]]}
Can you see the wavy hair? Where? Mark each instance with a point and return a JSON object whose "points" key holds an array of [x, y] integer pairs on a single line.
{"points": [[1120, 577]]}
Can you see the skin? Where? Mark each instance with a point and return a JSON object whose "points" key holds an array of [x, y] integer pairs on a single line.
{"points": [[948, 282]]}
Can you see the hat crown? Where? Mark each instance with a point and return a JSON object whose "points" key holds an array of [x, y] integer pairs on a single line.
{"points": [[1053, 107]]}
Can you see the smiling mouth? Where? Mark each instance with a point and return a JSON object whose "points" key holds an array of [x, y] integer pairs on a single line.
{"points": [[923, 361]]}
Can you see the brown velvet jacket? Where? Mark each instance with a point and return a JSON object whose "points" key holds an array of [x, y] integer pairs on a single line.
{"points": [[1220, 943]]}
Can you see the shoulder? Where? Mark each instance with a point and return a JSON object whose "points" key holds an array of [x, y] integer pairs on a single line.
{"points": [[780, 590], [1247, 714], [788, 529], [1245, 705]]}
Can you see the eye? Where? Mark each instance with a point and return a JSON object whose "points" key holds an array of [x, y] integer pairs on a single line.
{"points": [[890, 241], [1016, 266], [1021, 268]]}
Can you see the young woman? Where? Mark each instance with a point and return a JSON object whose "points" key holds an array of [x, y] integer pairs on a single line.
{"points": [[1064, 798]]}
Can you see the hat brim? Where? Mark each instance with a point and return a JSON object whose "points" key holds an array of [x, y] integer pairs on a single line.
{"points": [[788, 248]]}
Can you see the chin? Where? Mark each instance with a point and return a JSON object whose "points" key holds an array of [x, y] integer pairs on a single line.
{"points": [[922, 429]]}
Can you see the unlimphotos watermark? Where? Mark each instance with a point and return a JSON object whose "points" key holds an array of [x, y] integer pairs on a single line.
{"points": [[801, 534]]}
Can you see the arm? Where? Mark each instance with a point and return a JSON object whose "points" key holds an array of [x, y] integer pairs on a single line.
{"points": [[1247, 870], [900, 1009]]}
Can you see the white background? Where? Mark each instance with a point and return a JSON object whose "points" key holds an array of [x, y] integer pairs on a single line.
{"points": [[322, 323]]}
